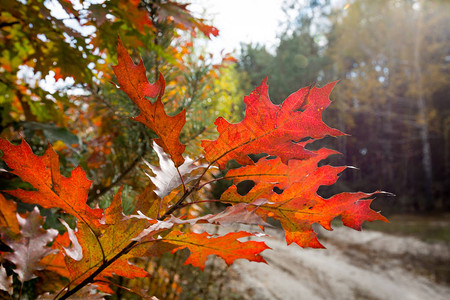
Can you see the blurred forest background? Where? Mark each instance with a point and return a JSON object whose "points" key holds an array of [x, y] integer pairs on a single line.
{"points": [[392, 58], [393, 62]]}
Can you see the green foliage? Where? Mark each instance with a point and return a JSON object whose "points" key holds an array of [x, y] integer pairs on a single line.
{"points": [[86, 119]]}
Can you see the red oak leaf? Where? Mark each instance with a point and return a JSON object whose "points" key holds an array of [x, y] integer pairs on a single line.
{"points": [[273, 129], [133, 81], [284, 175], [296, 205]]}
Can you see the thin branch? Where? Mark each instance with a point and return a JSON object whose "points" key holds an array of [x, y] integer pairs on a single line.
{"points": [[62, 290], [177, 205], [132, 244], [196, 186], [194, 136], [106, 264]]}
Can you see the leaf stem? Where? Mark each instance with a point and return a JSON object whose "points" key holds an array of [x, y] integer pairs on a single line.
{"points": [[131, 245], [186, 194], [196, 186], [176, 206]]}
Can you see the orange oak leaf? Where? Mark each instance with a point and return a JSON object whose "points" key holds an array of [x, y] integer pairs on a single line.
{"points": [[52, 189], [55, 262], [284, 175], [296, 203], [148, 203], [272, 129], [93, 258], [8, 217], [201, 245], [133, 81], [119, 232]]}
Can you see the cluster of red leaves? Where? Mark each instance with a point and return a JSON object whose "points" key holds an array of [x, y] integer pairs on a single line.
{"points": [[104, 240]]}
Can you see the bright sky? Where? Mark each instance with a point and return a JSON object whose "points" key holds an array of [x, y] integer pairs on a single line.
{"points": [[255, 21]]}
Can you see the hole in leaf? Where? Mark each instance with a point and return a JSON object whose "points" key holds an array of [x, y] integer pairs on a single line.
{"points": [[244, 187], [278, 190]]}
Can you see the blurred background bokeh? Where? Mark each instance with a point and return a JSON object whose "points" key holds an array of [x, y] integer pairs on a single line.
{"points": [[393, 62]]}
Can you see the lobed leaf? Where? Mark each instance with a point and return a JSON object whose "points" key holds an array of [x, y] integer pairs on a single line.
{"points": [[168, 176], [52, 189], [272, 129], [240, 213], [181, 16], [31, 247], [201, 245], [282, 175], [296, 205], [133, 81], [119, 232], [286, 185], [5, 281]]}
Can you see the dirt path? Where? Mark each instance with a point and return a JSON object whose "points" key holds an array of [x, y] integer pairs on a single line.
{"points": [[367, 265]]}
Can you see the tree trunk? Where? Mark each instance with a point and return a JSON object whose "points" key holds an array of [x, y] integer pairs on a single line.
{"points": [[422, 112]]}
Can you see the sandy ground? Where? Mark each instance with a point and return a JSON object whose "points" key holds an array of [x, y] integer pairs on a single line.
{"points": [[355, 265]]}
